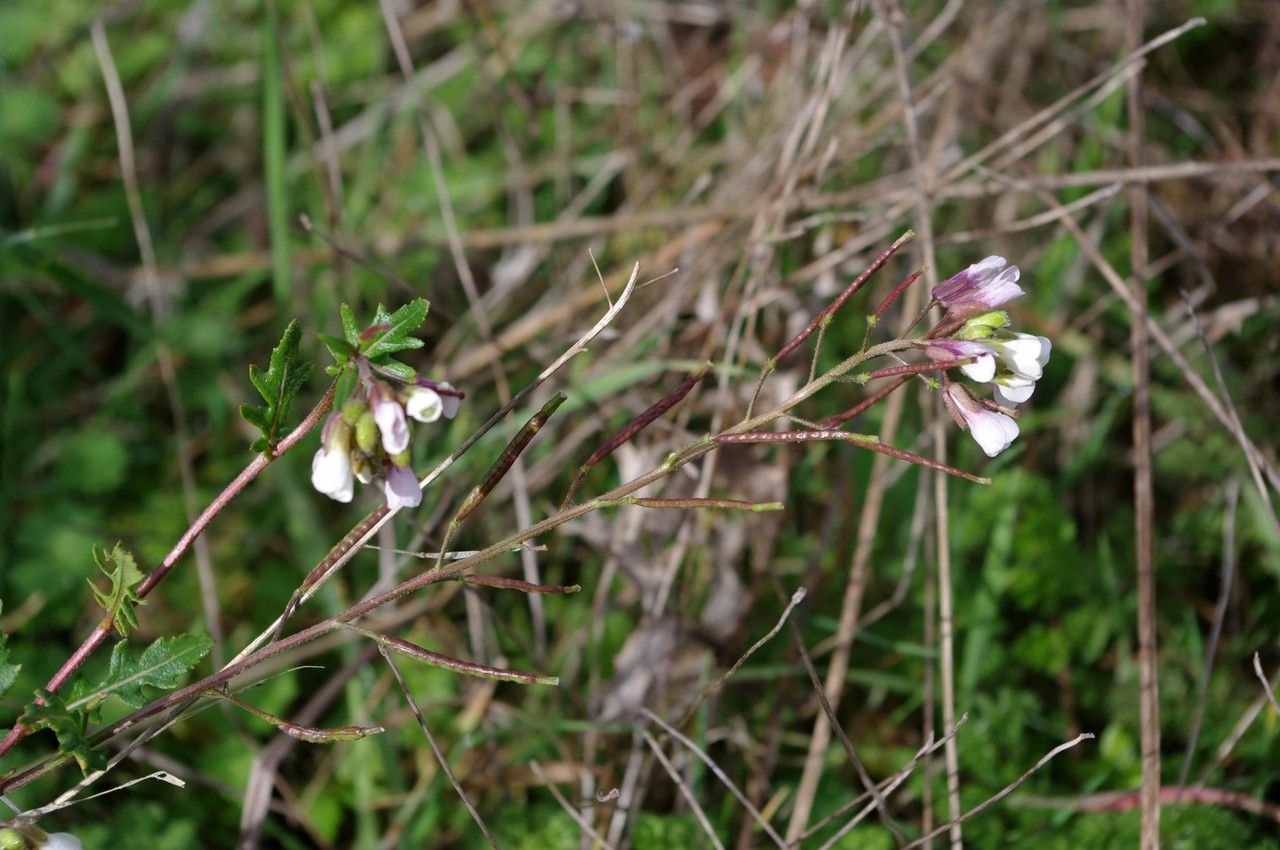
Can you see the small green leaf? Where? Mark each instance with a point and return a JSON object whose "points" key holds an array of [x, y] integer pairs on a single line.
{"points": [[398, 370], [67, 725], [164, 664], [338, 347], [346, 385], [120, 599], [394, 332], [8, 672], [278, 386], [350, 327]]}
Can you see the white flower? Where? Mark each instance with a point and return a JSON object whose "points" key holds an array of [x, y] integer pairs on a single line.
{"points": [[401, 488], [1022, 361], [993, 431], [62, 841], [331, 474], [425, 404], [1012, 362], [983, 286], [389, 415]]}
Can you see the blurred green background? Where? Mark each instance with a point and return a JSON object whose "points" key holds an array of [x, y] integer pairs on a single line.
{"points": [[656, 132]]}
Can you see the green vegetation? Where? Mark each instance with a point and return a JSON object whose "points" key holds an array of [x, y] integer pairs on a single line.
{"points": [[292, 175]]}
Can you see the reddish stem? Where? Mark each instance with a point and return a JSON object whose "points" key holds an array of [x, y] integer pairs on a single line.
{"points": [[917, 368], [237, 485], [862, 406], [841, 298]]}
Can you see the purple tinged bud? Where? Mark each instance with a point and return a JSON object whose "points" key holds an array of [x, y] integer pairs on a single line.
{"points": [[401, 488], [980, 288], [993, 431]]}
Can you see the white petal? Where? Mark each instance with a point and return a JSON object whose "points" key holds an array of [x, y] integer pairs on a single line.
{"points": [[62, 841], [331, 475], [983, 370], [1045, 347], [1014, 394], [1022, 355], [424, 404]]}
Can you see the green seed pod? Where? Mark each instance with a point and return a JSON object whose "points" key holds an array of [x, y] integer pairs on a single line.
{"points": [[11, 839], [367, 433]]}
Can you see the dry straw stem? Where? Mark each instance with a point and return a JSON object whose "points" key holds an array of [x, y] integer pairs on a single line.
{"points": [[719, 774], [1266, 686], [1144, 499], [435, 747], [1003, 792], [685, 791]]}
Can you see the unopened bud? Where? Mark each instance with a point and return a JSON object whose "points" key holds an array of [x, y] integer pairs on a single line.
{"points": [[984, 325], [367, 432], [352, 411]]}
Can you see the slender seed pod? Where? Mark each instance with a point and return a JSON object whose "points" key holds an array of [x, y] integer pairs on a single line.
{"points": [[862, 406], [636, 425], [896, 293], [830, 309], [508, 457], [645, 419]]}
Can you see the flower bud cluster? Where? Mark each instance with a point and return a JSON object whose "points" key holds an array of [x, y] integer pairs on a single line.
{"points": [[973, 328], [367, 440]]}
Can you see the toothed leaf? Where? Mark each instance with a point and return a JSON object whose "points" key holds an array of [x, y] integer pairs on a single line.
{"points": [[8, 672], [278, 385], [164, 665], [119, 600], [392, 332], [67, 725]]}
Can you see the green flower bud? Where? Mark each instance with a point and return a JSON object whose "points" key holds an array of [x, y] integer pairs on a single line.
{"points": [[401, 459], [11, 839], [984, 325], [339, 438], [352, 411], [367, 433]]}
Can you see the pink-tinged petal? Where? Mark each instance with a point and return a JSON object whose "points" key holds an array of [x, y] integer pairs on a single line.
{"points": [[980, 288], [974, 276], [401, 488], [424, 405], [395, 431], [993, 431], [983, 369]]}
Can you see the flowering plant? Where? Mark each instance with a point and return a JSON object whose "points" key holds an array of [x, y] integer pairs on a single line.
{"points": [[366, 437]]}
